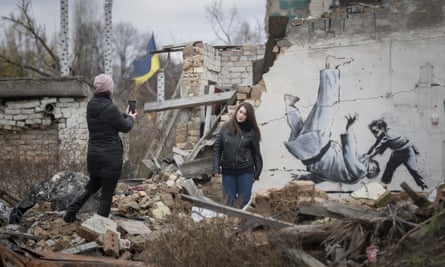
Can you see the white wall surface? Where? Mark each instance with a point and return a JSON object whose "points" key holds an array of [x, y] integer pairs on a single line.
{"points": [[400, 79]]}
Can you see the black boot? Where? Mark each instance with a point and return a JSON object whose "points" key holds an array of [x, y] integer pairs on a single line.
{"points": [[104, 208], [75, 206]]}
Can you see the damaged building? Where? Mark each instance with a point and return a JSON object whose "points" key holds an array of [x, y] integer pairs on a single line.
{"points": [[395, 74], [43, 120], [390, 59]]}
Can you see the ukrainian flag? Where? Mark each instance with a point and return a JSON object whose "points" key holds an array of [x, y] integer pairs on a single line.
{"points": [[147, 65]]}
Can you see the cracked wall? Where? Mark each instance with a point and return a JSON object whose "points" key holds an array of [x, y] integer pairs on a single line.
{"points": [[397, 74]]}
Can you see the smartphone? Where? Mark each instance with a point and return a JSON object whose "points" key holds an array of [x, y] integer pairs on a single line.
{"points": [[132, 104]]}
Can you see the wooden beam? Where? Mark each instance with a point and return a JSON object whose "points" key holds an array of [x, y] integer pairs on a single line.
{"points": [[187, 102], [418, 200], [237, 212], [203, 141], [303, 259], [337, 210]]}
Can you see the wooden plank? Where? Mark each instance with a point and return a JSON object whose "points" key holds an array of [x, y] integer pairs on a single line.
{"points": [[180, 152], [48, 258], [237, 213], [354, 213], [203, 140], [209, 111], [309, 234], [303, 259], [316, 210], [169, 118], [187, 102], [337, 210], [420, 201], [81, 248]]}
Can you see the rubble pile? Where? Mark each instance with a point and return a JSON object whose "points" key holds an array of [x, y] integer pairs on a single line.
{"points": [[310, 227], [139, 209]]}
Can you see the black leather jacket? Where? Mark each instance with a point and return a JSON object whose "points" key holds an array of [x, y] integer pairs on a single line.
{"points": [[232, 152]]}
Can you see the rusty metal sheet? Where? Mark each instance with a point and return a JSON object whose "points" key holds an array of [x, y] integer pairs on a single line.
{"points": [[32, 258]]}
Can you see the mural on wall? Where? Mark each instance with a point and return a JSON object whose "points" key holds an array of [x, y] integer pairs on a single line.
{"points": [[403, 152], [327, 160]]}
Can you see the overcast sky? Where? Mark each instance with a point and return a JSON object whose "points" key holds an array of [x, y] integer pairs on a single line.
{"points": [[172, 21]]}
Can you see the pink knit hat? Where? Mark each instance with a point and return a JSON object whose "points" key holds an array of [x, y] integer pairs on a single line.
{"points": [[103, 83]]}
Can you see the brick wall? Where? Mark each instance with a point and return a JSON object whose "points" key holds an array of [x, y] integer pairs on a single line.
{"points": [[44, 128], [231, 65], [227, 67]]}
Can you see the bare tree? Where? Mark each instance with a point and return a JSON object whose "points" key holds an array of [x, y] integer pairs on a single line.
{"points": [[26, 50], [229, 27], [126, 42], [224, 27], [88, 49]]}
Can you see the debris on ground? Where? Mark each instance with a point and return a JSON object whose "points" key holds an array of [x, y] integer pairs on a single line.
{"points": [[302, 221]]}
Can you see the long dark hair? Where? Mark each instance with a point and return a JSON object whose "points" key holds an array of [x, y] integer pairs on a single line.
{"points": [[233, 126]]}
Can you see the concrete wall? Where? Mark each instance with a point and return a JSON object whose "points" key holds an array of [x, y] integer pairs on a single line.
{"points": [[396, 75]]}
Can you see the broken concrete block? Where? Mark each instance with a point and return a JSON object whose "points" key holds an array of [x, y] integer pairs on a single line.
{"points": [[371, 190], [160, 210], [81, 248], [133, 227], [95, 226]]}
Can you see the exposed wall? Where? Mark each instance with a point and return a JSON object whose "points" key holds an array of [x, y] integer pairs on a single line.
{"points": [[44, 129], [44, 120], [225, 67], [397, 74], [231, 65]]}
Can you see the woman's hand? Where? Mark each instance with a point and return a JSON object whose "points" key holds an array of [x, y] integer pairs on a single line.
{"points": [[131, 114]]}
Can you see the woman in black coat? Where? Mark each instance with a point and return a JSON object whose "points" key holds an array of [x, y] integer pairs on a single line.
{"points": [[105, 149], [237, 156]]}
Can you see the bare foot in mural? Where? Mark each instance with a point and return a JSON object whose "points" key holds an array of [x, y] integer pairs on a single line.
{"points": [[290, 100], [335, 62]]}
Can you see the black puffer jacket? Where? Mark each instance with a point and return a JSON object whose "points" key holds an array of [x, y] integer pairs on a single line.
{"points": [[237, 152], [105, 121]]}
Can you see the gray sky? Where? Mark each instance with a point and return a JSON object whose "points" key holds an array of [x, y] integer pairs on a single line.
{"points": [[172, 21]]}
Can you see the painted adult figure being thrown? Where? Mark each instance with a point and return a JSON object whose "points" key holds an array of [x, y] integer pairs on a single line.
{"points": [[237, 156], [310, 139], [105, 149]]}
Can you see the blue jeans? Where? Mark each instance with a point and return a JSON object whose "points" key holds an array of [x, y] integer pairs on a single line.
{"points": [[237, 189]]}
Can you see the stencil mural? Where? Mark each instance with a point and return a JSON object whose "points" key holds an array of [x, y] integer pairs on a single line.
{"points": [[403, 152], [328, 160]]}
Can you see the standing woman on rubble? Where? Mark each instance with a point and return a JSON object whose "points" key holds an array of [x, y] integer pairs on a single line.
{"points": [[237, 156], [105, 149]]}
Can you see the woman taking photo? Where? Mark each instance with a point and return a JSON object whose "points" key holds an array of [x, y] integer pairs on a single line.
{"points": [[105, 148], [237, 156]]}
